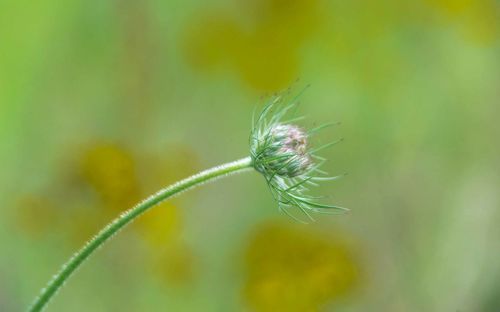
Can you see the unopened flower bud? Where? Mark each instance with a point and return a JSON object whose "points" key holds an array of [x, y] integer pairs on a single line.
{"points": [[283, 152], [280, 151]]}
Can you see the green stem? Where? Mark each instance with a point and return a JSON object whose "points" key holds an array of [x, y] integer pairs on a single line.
{"points": [[126, 217]]}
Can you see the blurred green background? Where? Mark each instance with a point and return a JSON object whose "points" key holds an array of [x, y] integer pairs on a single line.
{"points": [[104, 102]]}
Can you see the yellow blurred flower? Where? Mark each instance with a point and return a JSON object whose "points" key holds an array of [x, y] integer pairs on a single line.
{"points": [[103, 180], [161, 228], [262, 47], [453, 7], [161, 225], [477, 20], [111, 171], [292, 268], [209, 39], [104, 169]]}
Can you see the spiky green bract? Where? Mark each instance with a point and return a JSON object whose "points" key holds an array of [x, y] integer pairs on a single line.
{"points": [[280, 151]]}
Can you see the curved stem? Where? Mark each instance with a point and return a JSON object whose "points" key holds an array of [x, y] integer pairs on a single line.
{"points": [[126, 217]]}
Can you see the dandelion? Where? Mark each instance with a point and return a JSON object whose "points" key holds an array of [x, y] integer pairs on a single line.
{"points": [[279, 150]]}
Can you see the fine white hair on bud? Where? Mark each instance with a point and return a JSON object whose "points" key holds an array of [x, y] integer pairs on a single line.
{"points": [[280, 151]]}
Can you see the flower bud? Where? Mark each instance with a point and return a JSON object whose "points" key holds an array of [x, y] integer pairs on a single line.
{"points": [[282, 152]]}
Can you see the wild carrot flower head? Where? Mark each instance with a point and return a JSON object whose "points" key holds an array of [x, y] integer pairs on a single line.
{"points": [[280, 151], [285, 153]]}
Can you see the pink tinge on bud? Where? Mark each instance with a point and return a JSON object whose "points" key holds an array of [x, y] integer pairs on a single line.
{"points": [[292, 138], [293, 141]]}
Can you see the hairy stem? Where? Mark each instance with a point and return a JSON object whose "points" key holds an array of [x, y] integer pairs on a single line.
{"points": [[126, 217]]}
